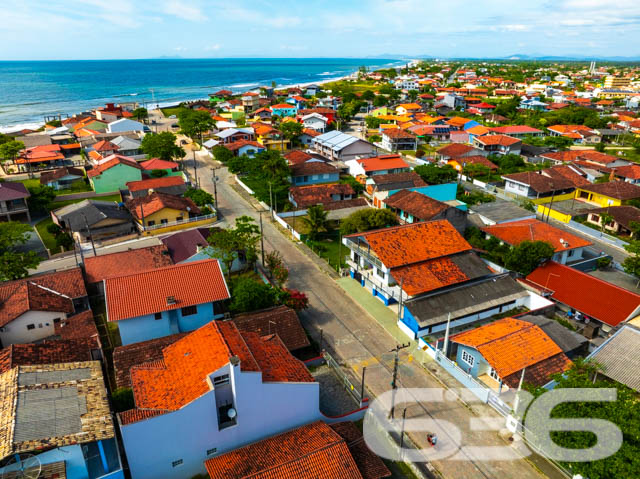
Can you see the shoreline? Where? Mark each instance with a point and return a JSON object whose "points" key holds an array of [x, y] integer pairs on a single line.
{"points": [[34, 125]]}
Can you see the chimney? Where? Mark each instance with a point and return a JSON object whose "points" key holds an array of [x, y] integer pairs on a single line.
{"points": [[171, 300]]}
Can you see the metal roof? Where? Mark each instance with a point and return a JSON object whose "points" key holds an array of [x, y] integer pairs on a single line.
{"points": [[618, 359], [336, 140]]}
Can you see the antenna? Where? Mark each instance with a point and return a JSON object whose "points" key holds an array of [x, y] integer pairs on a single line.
{"points": [[22, 466]]}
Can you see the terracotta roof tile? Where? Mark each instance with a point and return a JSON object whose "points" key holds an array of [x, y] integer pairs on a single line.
{"points": [[369, 463], [78, 326], [144, 206], [407, 176], [287, 325], [620, 190], [105, 266], [189, 284], [631, 172], [623, 215], [421, 207], [476, 160], [308, 452], [515, 129], [47, 352], [515, 232], [135, 415], [541, 183], [413, 243], [126, 357], [455, 149], [297, 156], [589, 295], [318, 194], [510, 345], [502, 140], [384, 162], [312, 168], [398, 133], [158, 164], [152, 183]]}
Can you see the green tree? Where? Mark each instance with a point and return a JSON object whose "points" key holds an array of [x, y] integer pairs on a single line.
{"points": [[291, 130], [623, 412], [605, 219], [631, 264], [436, 175], [41, 198], [227, 243], [353, 183], [368, 95], [316, 220], [55, 123], [161, 145], [64, 241], [600, 147], [373, 122], [195, 123], [508, 163], [15, 264], [199, 197], [380, 100], [140, 114], [222, 154], [9, 150], [158, 173], [528, 255], [123, 399], [367, 219], [248, 295], [474, 170], [275, 264]]}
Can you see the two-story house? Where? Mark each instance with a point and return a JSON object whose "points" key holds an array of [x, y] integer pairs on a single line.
{"points": [[315, 121], [396, 139], [313, 172], [338, 146], [250, 101], [413, 207], [214, 390], [163, 301], [283, 110], [13, 201]]}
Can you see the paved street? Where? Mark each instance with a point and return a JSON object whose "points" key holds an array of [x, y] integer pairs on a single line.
{"points": [[357, 340]]}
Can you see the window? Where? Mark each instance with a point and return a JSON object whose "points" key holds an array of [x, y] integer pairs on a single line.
{"points": [[570, 253], [177, 463], [314, 177], [494, 375], [31, 326], [179, 218], [56, 320], [164, 221], [157, 316], [325, 176], [467, 358], [221, 380], [151, 223], [213, 450], [218, 308], [189, 311]]}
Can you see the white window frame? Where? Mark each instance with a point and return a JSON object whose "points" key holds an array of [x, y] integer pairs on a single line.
{"points": [[494, 374], [467, 358]]}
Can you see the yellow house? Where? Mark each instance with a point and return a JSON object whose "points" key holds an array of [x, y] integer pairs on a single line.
{"points": [[613, 193], [408, 109], [380, 111], [270, 138], [159, 211]]}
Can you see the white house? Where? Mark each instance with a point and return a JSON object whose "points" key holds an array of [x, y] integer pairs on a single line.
{"points": [[215, 390], [124, 124], [31, 307], [315, 121]]}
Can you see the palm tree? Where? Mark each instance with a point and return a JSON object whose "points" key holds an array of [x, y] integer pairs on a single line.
{"points": [[316, 220]]}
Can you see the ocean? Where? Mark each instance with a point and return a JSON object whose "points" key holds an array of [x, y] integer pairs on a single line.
{"points": [[31, 90]]}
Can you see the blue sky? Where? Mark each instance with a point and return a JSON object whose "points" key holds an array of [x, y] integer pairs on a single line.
{"points": [[99, 29]]}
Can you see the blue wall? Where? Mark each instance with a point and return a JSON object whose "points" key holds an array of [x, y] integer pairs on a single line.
{"points": [[444, 192], [409, 320], [143, 328], [298, 180], [479, 362]]}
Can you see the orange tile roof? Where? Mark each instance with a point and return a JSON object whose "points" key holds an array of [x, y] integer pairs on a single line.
{"points": [[475, 160], [312, 451], [510, 345], [181, 376], [111, 265], [629, 171], [154, 183], [297, 156], [117, 160], [398, 133], [144, 206], [458, 121], [143, 293], [413, 243], [158, 164], [318, 194], [410, 106], [455, 149], [497, 140], [591, 296], [385, 162], [104, 145], [515, 232], [478, 130]]}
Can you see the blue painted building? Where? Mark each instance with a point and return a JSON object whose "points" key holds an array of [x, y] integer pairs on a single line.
{"points": [[284, 109], [165, 301], [313, 172], [445, 192]]}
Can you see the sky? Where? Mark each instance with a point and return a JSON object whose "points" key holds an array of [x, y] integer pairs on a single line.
{"points": [[119, 29]]}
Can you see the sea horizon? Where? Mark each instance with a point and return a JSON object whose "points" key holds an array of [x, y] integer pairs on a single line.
{"points": [[33, 89]]}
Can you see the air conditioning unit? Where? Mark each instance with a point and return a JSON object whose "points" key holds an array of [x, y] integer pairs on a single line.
{"points": [[227, 315]]}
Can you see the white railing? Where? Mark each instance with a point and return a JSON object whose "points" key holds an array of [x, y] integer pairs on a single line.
{"points": [[175, 223]]}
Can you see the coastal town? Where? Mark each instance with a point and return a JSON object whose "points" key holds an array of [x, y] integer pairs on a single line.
{"points": [[225, 288]]}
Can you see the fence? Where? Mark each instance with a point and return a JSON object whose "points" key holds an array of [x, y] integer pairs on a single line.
{"points": [[598, 235], [170, 224], [245, 187], [287, 226], [354, 391], [477, 388]]}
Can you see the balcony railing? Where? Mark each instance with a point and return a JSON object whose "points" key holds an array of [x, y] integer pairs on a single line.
{"points": [[365, 253], [158, 226]]}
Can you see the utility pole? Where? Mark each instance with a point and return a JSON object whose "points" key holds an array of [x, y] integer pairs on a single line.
{"points": [[270, 201], [195, 166], [395, 376], [93, 246], [400, 302], [215, 187], [446, 336], [261, 239], [364, 369], [404, 414], [516, 404]]}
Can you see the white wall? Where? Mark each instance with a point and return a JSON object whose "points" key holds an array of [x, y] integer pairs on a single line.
{"points": [[16, 331], [355, 168], [516, 188], [263, 409]]}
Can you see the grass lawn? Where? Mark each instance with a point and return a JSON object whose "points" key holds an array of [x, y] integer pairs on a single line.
{"points": [[47, 238], [328, 248], [59, 204], [171, 111], [80, 188], [29, 183]]}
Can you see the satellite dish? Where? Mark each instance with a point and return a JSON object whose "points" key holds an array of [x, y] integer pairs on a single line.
{"points": [[231, 413], [25, 466]]}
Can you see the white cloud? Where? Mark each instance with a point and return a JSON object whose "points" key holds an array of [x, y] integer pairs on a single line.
{"points": [[515, 28], [185, 11], [212, 48]]}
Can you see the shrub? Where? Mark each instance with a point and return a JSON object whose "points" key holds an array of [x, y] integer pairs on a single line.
{"points": [[158, 173], [54, 229], [123, 399]]}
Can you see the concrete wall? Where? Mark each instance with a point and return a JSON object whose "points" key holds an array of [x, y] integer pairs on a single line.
{"points": [[16, 331], [143, 328], [263, 409]]}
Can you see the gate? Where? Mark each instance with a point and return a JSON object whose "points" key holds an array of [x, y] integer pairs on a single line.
{"points": [[496, 403], [354, 391]]}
